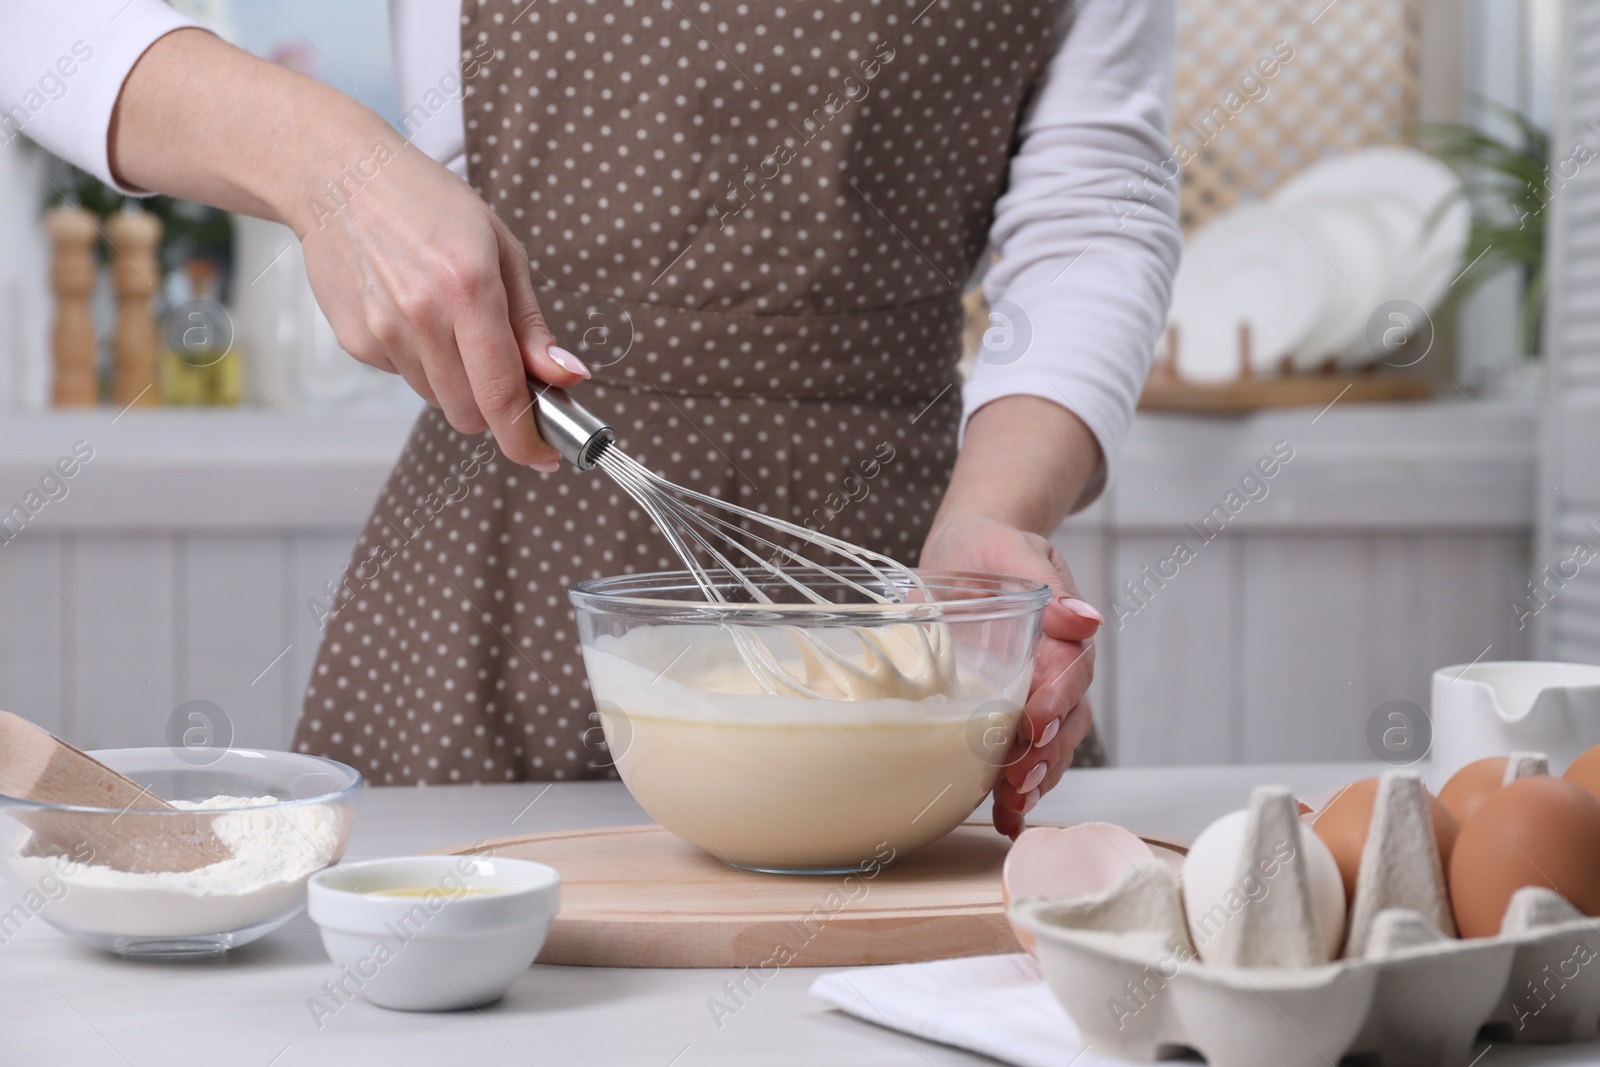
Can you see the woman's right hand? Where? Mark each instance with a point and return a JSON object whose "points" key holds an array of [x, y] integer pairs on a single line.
{"points": [[415, 273], [418, 277]]}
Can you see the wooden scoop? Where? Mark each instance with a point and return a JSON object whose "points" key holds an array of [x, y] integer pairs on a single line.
{"points": [[36, 765]]}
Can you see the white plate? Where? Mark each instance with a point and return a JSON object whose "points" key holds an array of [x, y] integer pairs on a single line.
{"points": [[1359, 255], [1248, 265], [1403, 189]]}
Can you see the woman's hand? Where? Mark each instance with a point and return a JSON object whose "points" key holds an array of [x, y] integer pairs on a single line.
{"points": [[414, 272], [993, 518], [1056, 716], [419, 278]]}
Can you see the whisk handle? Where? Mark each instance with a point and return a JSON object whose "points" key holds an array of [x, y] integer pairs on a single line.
{"points": [[572, 429]]}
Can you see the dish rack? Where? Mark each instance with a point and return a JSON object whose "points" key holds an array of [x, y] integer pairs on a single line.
{"points": [[1164, 390], [1351, 80]]}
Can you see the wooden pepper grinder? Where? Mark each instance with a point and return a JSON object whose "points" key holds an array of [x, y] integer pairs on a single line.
{"points": [[135, 274], [72, 276]]}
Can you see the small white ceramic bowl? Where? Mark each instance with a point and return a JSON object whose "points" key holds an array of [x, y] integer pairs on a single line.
{"points": [[472, 926]]}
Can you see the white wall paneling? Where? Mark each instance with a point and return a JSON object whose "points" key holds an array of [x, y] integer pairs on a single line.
{"points": [[1278, 646], [1466, 586], [121, 638], [231, 629], [1301, 674], [1392, 544], [190, 541], [1174, 662], [144, 621], [31, 630]]}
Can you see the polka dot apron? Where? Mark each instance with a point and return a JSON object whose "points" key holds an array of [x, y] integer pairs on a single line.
{"points": [[754, 221]]}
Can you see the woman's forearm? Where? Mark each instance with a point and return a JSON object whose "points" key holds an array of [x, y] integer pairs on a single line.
{"points": [[201, 119], [414, 273], [1024, 461]]}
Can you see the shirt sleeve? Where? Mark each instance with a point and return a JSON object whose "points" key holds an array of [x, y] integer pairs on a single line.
{"points": [[62, 66], [1087, 233]]}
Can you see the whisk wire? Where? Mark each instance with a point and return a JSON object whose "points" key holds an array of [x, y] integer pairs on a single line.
{"points": [[613, 461], [702, 528]]}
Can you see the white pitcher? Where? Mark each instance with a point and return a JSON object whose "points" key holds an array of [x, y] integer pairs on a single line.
{"points": [[1494, 709]]}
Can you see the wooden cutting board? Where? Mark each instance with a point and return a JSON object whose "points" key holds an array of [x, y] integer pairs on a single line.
{"points": [[636, 896]]}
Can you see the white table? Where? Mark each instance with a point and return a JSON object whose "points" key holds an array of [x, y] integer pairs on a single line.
{"points": [[61, 1003]]}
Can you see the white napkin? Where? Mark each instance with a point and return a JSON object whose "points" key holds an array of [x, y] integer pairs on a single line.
{"points": [[998, 1006]]}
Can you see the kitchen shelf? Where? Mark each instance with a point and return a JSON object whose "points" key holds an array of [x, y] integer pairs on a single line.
{"points": [[170, 469], [1441, 464]]}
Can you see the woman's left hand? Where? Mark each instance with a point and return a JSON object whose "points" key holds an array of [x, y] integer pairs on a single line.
{"points": [[1057, 715]]}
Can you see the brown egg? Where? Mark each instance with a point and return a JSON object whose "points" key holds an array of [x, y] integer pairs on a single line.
{"points": [[1343, 824], [1585, 771], [1467, 787], [1535, 831]]}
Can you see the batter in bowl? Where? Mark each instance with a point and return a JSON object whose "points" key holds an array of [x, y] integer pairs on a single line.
{"points": [[801, 783]]}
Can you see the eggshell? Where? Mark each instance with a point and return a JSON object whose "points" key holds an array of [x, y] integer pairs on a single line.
{"points": [[1533, 832], [1468, 787], [1054, 861], [1211, 874], [1344, 822], [1585, 771]]}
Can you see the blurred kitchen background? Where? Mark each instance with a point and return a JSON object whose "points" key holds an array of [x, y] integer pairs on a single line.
{"points": [[189, 558]]}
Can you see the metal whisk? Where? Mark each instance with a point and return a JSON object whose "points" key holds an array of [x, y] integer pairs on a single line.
{"points": [[906, 660]]}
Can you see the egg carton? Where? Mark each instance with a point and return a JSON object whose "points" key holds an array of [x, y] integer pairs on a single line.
{"points": [[1123, 964]]}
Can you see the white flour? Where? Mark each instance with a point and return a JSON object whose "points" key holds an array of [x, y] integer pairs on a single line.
{"points": [[274, 851]]}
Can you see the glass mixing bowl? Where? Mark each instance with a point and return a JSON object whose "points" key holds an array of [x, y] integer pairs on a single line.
{"points": [[858, 772], [71, 865]]}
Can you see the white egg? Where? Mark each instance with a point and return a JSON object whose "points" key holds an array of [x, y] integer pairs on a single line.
{"points": [[1216, 893]]}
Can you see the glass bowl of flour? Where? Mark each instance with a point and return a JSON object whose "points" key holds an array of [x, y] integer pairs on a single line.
{"points": [[224, 866], [806, 738]]}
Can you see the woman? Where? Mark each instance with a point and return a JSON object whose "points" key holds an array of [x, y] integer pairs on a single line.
{"points": [[761, 219]]}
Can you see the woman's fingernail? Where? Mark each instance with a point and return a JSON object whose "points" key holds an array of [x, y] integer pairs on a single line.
{"points": [[1082, 609], [1049, 734], [546, 466], [1030, 802], [568, 361], [1033, 779]]}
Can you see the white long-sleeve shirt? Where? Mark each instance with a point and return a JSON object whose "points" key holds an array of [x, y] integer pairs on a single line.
{"points": [[1086, 232]]}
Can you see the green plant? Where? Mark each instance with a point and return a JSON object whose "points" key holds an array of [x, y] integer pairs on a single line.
{"points": [[1507, 184]]}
